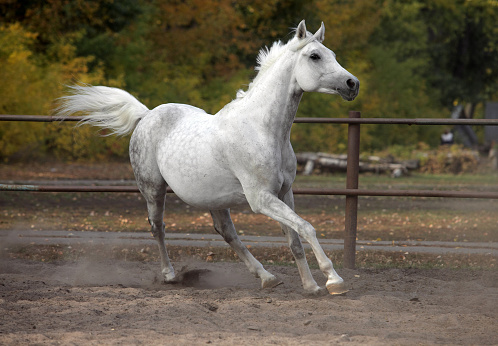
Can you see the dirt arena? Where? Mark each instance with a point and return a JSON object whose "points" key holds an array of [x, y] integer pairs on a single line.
{"points": [[102, 301], [97, 300]]}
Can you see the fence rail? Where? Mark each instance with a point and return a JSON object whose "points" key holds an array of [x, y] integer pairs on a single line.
{"points": [[351, 192], [361, 121], [296, 191]]}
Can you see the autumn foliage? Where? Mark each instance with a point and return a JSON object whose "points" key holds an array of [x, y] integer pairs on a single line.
{"points": [[414, 59]]}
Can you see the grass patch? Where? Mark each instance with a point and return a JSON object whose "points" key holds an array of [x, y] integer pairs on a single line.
{"points": [[414, 181], [379, 218]]}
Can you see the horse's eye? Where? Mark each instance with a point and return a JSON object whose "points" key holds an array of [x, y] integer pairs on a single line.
{"points": [[315, 57]]}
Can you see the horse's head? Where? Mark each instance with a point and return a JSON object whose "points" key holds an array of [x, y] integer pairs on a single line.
{"points": [[317, 68]]}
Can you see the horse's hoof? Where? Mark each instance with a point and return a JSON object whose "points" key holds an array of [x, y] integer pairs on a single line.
{"points": [[337, 288], [318, 292], [187, 277], [171, 280], [169, 276], [271, 282]]}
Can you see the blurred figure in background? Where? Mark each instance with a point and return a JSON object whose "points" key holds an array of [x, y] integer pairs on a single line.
{"points": [[447, 137]]}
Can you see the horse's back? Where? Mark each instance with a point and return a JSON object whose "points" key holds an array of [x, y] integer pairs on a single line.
{"points": [[163, 120], [166, 116]]}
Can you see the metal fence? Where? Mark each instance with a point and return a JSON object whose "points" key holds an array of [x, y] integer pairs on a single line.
{"points": [[351, 191]]}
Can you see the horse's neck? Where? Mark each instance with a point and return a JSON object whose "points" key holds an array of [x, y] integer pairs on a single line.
{"points": [[275, 98]]}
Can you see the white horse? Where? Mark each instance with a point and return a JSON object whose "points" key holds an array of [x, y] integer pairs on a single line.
{"points": [[240, 155]]}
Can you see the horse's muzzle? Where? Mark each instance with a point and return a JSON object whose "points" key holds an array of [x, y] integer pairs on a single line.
{"points": [[352, 90]]}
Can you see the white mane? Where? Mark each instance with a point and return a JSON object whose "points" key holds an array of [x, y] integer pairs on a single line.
{"points": [[268, 56]]}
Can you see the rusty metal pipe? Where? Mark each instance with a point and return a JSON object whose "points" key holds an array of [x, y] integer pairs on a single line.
{"points": [[296, 191], [396, 193], [392, 121], [352, 171], [71, 188], [38, 118], [415, 121]]}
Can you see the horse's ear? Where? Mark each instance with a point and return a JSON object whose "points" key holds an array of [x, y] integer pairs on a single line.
{"points": [[320, 34], [301, 30]]}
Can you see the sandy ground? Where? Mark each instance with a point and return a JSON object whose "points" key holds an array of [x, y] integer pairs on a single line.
{"points": [[99, 300], [103, 301]]}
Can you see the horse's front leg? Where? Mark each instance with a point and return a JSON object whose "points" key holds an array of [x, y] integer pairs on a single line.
{"points": [[267, 203], [224, 226], [296, 247]]}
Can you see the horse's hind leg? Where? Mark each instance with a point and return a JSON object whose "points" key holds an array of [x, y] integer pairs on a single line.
{"points": [[155, 198], [224, 226], [153, 188]]}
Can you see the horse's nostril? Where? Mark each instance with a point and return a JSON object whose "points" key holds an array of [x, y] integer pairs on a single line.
{"points": [[351, 83]]}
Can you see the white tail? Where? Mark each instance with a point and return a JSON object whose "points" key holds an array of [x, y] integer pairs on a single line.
{"points": [[110, 108]]}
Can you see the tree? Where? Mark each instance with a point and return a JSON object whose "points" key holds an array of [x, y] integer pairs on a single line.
{"points": [[413, 58], [399, 57], [93, 26], [463, 49], [201, 51], [32, 86]]}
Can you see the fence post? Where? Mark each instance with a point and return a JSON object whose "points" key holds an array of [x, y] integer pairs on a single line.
{"points": [[352, 183]]}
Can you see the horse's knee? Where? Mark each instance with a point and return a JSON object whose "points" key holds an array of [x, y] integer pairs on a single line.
{"points": [[307, 231]]}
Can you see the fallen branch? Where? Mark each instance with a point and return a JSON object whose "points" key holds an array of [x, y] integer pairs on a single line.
{"points": [[334, 162]]}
